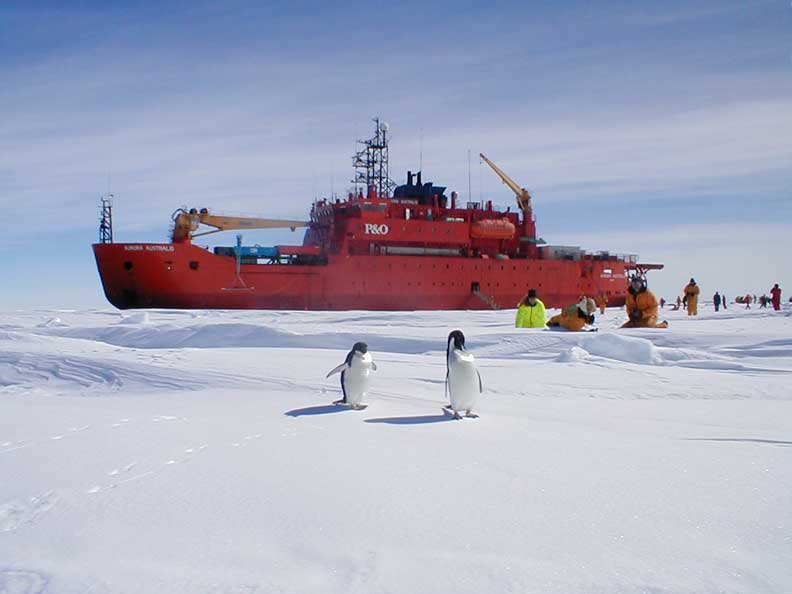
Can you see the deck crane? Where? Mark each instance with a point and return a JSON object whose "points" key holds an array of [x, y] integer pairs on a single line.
{"points": [[187, 222], [523, 197], [524, 204]]}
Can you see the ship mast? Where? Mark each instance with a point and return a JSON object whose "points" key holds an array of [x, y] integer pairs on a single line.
{"points": [[106, 220], [371, 162]]}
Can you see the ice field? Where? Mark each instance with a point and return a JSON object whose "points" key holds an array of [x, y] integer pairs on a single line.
{"points": [[173, 451]]}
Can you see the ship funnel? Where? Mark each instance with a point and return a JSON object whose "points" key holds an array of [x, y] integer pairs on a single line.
{"points": [[409, 178], [419, 178]]}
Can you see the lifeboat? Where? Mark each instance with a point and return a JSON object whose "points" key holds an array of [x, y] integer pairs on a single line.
{"points": [[492, 229]]}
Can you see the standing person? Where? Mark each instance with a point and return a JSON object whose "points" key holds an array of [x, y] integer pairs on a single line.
{"points": [[723, 301], [602, 302], [691, 296], [776, 293], [716, 300], [641, 306], [530, 312], [662, 303], [747, 301]]}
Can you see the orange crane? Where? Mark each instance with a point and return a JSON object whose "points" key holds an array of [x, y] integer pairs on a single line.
{"points": [[186, 223], [523, 197]]}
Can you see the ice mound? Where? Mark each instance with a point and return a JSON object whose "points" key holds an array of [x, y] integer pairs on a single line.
{"points": [[52, 323], [573, 355], [622, 348], [140, 317]]}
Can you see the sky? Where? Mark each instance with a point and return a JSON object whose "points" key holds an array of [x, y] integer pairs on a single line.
{"points": [[662, 129]]}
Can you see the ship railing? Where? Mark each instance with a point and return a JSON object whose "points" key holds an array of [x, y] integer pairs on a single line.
{"points": [[604, 255]]}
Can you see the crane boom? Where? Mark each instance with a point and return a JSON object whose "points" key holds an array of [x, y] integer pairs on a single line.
{"points": [[523, 196], [186, 223]]}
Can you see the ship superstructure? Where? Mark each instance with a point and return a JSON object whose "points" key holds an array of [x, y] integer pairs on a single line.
{"points": [[412, 246]]}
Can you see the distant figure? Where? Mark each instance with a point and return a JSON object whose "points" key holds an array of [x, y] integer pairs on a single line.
{"points": [[747, 299], [691, 296], [678, 303], [573, 317], [763, 301], [641, 306], [662, 303], [776, 293], [716, 300], [602, 302], [530, 312], [723, 302], [754, 297]]}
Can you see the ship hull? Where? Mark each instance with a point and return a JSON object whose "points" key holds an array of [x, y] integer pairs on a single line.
{"points": [[185, 276]]}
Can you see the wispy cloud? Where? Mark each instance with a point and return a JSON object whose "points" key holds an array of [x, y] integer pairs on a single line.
{"points": [[255, 108]]}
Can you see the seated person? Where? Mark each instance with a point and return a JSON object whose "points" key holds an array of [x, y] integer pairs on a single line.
{"points": [[530, 312], [573, 317], [641, 306]]}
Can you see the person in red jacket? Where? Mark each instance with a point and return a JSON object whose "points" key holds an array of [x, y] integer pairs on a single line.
{"points": [[776, 293]]}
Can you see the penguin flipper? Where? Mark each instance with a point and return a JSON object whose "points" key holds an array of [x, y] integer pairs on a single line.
{"points": [[481, 386], [373, 366], [338, 369]]}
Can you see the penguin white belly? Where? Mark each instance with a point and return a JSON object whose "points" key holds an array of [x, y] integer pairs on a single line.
{"points": [[356, 383], [463, 381]]}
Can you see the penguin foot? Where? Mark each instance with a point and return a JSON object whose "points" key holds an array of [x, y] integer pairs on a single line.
{"points": [[457, 415], [471, 415], [342, 401]]}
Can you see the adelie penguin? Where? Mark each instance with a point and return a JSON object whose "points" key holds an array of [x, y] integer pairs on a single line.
{"points": [[463, 381], [355, 376]]}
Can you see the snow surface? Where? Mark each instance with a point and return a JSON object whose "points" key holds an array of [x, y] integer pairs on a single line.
{"points": [[180, 451]]}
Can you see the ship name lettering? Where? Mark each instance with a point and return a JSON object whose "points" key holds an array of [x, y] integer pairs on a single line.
{"points": [[372, 229], [159, 248], [133, 248]]}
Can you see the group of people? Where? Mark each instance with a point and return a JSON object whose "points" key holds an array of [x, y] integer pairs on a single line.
{"points": [[531, 313], [764, 300], [641, 305]]}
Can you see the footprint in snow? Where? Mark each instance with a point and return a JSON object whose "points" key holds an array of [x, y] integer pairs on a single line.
{"points": [[20, 581]]}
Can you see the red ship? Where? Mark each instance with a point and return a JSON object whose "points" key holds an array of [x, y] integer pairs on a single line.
{"points": [[411, 247]]}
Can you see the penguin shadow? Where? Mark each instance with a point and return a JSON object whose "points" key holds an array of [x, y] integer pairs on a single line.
{"points": [[323, 409], [421, 420]]}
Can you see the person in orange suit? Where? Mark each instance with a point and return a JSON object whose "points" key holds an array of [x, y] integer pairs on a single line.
{"points": [[641, 305], [602, 302], [776, 293], [692, 293], [573, 317]]}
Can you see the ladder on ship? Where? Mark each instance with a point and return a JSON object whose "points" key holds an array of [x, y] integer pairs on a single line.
{"points": [[486, 299]]}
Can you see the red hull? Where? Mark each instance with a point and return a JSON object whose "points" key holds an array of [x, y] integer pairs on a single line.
{"points": [[185, 276]]}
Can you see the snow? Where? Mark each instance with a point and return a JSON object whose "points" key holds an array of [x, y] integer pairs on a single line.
{"points": [[180, 451]]}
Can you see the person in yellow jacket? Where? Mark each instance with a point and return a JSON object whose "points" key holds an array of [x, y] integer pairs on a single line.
{"points": [[602, 302], [573, 317], [692, 293], [530, 312], [641, 306]]}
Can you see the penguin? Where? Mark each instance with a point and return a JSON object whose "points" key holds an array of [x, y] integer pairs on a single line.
{"points": [[355, 372], [463, 381]]}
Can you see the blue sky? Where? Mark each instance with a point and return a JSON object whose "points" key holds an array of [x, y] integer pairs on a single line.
{"points": [[654, 128]]}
